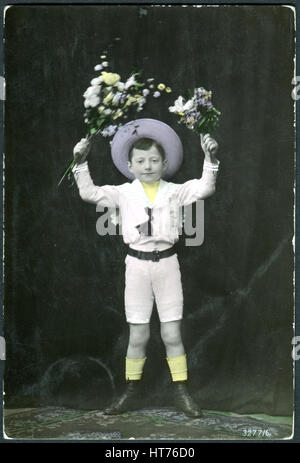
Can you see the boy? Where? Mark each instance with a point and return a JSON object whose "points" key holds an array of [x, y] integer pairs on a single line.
{"points": [[148, 150]]}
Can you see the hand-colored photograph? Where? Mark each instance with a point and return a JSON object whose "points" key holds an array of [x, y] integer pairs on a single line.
{"points": [[149, 174]]}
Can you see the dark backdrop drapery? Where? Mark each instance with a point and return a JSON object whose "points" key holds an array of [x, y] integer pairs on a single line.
{"points": [[65, 326]]}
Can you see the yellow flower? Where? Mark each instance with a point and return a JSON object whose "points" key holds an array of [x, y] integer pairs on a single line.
{"points": [[108, 98], [118, 114], [161, 87], [130, 100], [138, 97], [180, 113], [190, 120], [101, 109], [109, 78], [168, 90]]}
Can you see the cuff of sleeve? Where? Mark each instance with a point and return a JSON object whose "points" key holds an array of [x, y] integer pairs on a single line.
{"points": [[211, 166], [80, 167]]}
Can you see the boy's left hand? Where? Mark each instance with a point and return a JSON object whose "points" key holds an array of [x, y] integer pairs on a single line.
{"points": [[209, 145]]}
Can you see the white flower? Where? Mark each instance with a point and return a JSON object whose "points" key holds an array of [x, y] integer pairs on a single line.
{"points": [[91, 91], [91, 96], [98, 67], [141, 104], [91, 101], [104, 64], [150, 80], [180, 106], [96, 81], [107, 111], [156, 94], [188, 105], [120, 86], [146, 92], [131, 81]]}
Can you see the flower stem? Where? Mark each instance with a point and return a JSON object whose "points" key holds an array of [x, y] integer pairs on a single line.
{"points": [[69, 168], [203, 120]]}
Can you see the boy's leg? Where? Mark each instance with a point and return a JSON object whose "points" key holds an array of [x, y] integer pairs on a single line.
{"points": [[139, 334], [176, 358], [134, 364], [171, 336], [138, 308]]}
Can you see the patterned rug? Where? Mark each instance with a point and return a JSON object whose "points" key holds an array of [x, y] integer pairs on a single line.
{"points": [[145, 424]]}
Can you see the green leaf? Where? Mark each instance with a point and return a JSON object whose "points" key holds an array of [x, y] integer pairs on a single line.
{"points": [[189, 94]]}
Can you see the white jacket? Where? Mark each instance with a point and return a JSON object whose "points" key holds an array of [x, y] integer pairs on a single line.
{"points": [[135, 207]]}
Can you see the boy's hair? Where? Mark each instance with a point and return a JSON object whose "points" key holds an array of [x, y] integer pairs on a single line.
{"points": [[145, 144]]}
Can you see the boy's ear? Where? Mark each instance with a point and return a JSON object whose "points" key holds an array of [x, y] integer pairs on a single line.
{"points": [[165, 164], [129, 165]]}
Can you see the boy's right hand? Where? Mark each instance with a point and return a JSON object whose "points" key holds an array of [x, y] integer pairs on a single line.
{"points": [[81, 150]]}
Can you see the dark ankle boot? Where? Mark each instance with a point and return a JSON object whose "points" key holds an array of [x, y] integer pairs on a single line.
{"points": [[127, 401], [184, 402]]}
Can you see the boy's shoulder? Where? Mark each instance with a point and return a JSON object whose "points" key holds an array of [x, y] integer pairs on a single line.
{"points": [[125, 185]]}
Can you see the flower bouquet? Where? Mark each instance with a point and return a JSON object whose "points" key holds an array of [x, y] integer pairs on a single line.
{"points": [[198, 112], [108, 101]]}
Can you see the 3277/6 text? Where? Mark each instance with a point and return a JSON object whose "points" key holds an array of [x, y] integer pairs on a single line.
{"points": [[251, 432]]}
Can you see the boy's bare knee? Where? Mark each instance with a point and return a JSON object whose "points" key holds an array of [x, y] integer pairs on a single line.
{"points": [[170, 334], [139, 335], [172, 340]]}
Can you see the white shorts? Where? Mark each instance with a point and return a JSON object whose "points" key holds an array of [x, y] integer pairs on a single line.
{"points": [[145, 281]]}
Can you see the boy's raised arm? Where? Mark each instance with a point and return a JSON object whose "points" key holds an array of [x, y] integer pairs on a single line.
{"points": [[205, 186], [107, 195]]}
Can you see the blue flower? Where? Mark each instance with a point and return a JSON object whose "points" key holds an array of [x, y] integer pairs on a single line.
{"points": [[109, 131]]}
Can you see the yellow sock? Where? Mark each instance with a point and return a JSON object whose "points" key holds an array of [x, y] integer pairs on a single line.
{"points": [[134, 368], [178, 367]]}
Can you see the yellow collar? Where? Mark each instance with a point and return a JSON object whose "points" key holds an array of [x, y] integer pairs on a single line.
{"points": [[151, 189]]}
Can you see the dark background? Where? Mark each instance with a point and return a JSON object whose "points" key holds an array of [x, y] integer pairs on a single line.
{"points": [[64, 320]]}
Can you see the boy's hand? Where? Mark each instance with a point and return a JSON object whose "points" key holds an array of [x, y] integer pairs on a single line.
{"points": [[81, 150], [209, 146]]}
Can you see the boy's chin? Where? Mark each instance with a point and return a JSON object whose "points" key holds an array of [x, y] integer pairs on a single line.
{"points": [[148, 178]]}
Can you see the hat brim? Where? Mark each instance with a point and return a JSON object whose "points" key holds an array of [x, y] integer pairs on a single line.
{"points": [[162, 133]]}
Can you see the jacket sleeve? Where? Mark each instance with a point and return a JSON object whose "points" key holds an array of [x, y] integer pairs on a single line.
{"points": [[107, 195], [202, 188]]}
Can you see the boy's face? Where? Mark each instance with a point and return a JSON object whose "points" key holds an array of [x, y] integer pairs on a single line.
{"points": [[147, 166]]}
